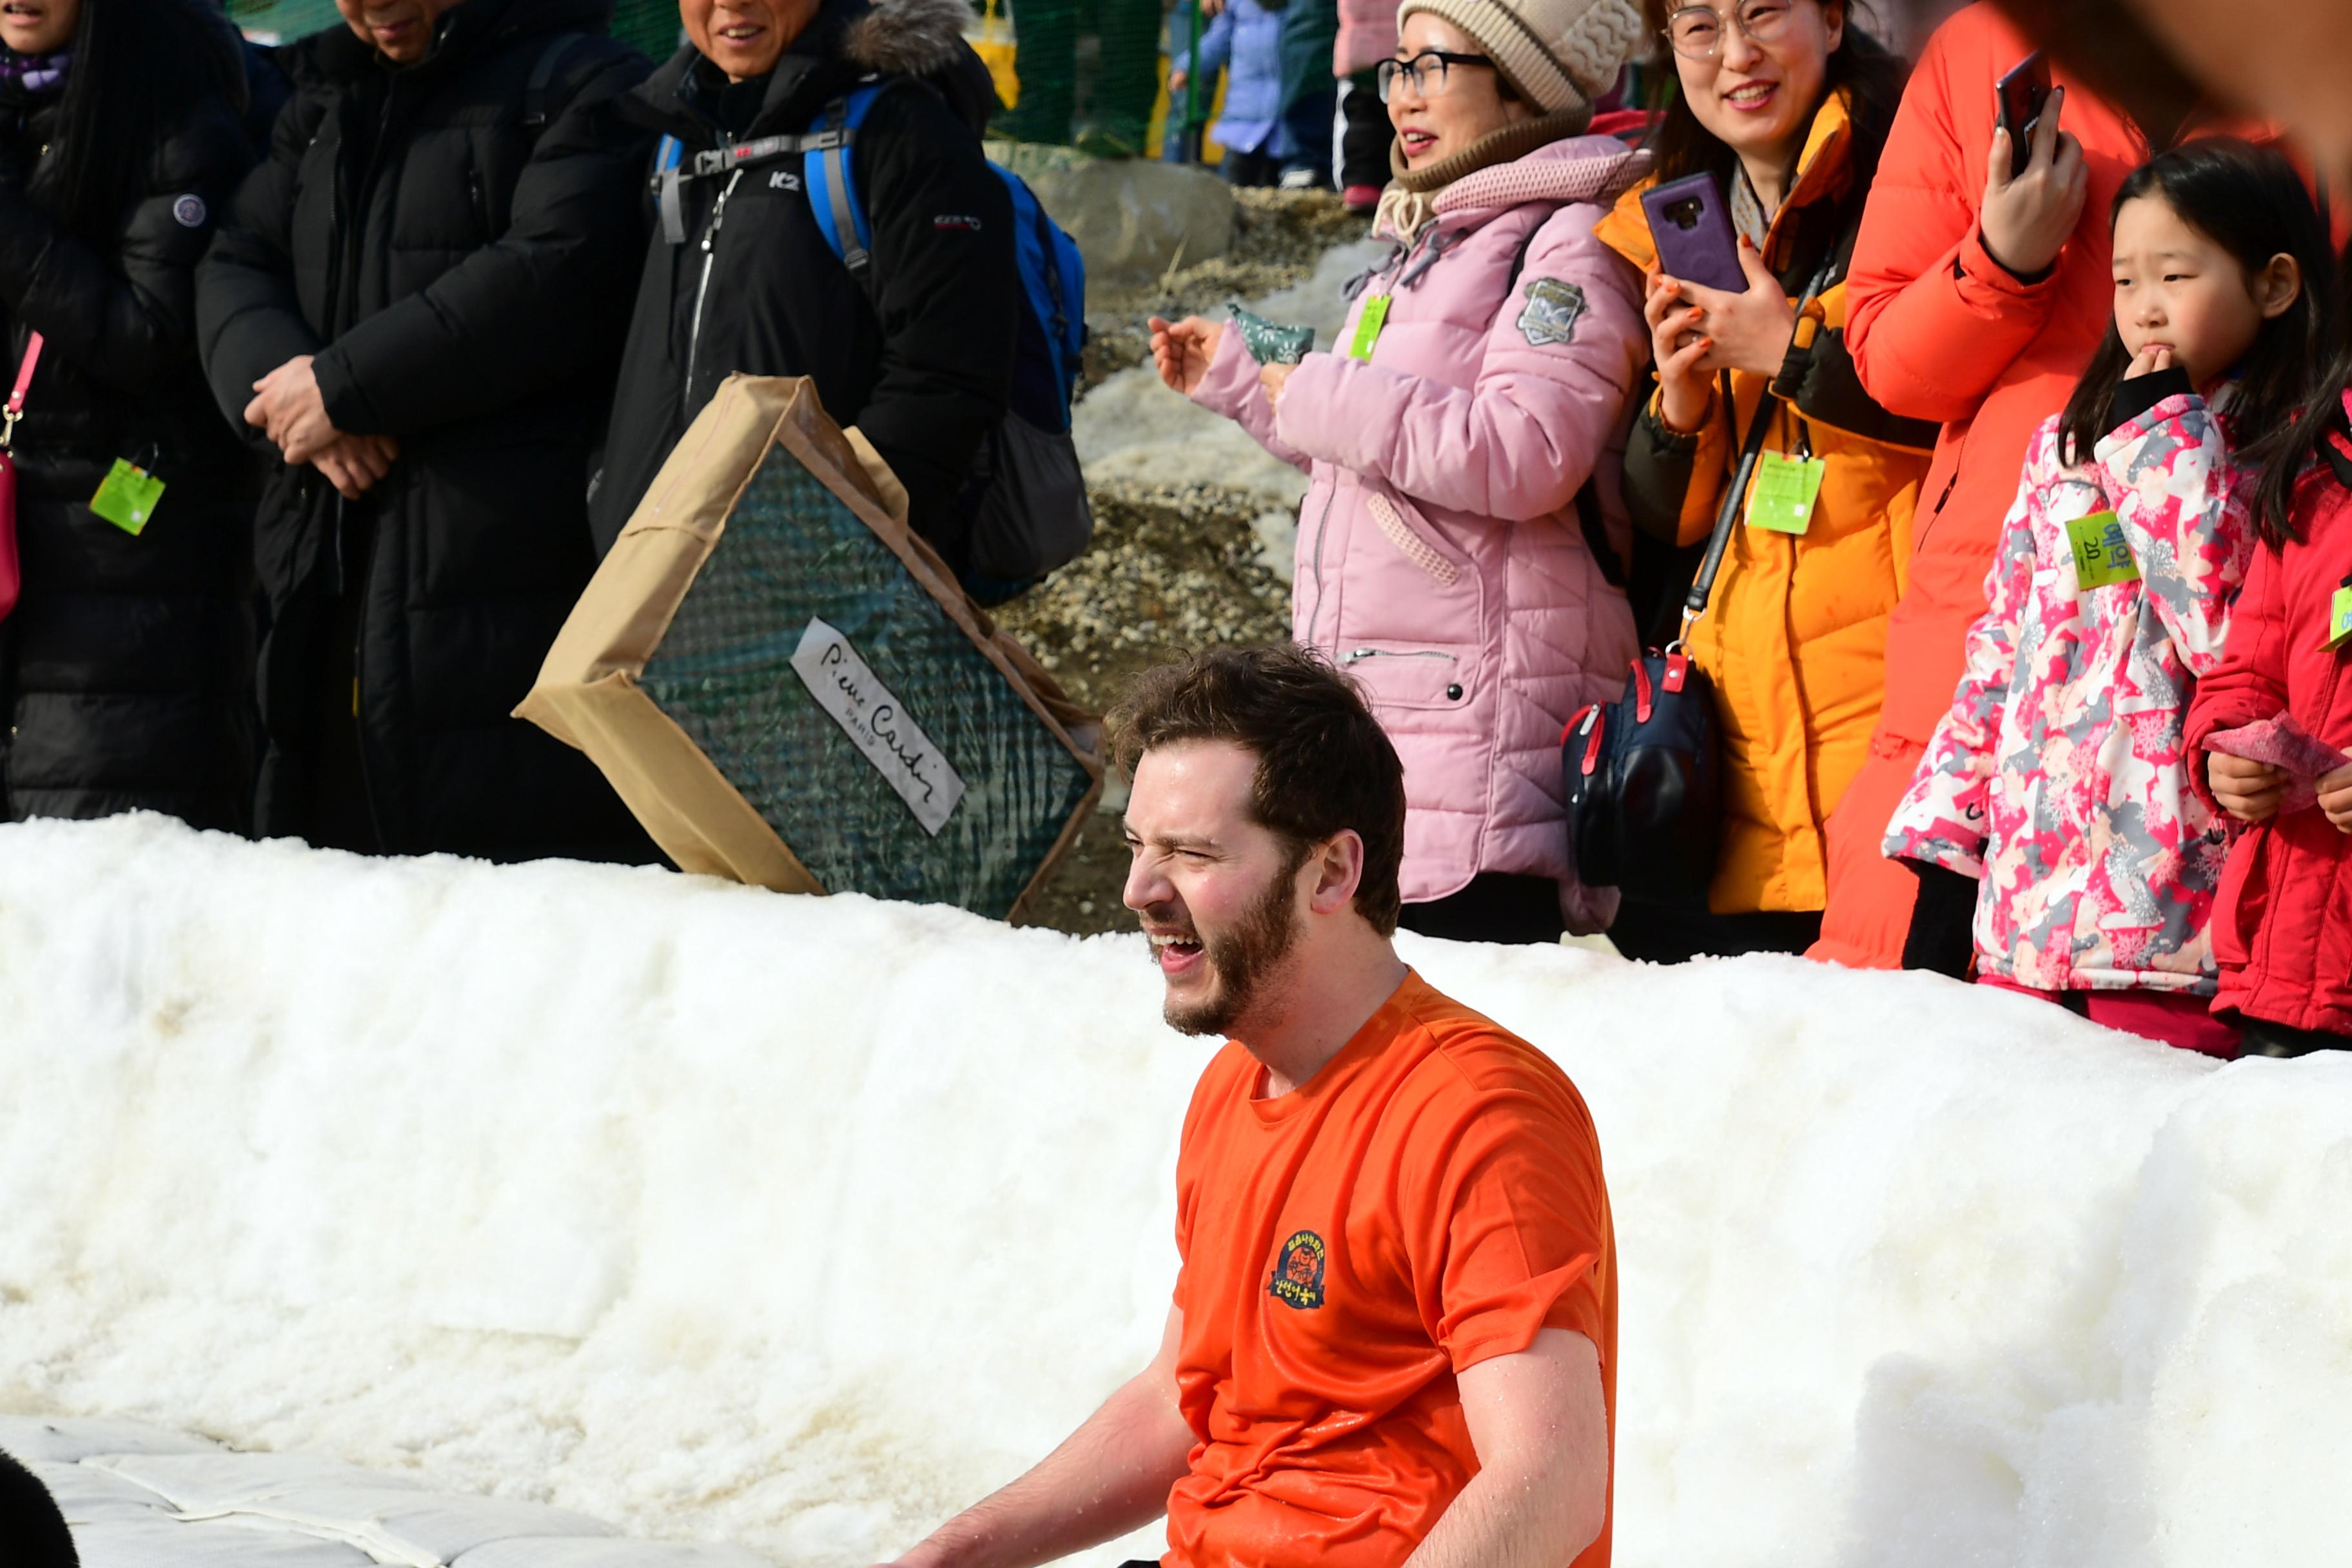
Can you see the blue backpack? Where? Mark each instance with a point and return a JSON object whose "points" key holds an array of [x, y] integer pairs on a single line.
{"points": [[1027, 499]]}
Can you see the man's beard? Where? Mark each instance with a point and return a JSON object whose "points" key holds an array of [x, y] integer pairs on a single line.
{"points": [[1242, 959]]}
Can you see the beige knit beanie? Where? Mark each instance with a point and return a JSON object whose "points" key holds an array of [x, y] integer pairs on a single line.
{"points": [[1559, 53]]}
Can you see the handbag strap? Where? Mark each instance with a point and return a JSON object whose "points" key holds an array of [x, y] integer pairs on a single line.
{"points": [[15, 408], [1702, 589]]}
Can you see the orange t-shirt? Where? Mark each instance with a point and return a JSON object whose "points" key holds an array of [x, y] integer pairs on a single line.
{"points": [[1429, 1200]]}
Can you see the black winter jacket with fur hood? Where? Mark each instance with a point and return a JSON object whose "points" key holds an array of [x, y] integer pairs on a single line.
{"points": [[922, 366]]}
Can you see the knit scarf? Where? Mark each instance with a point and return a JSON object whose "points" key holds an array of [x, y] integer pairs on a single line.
{"points": [[1410, 204], [33, 76]]}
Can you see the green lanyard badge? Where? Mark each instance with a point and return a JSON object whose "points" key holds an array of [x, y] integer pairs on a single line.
{"points": [[127, 496], [2340, 618], [1368, 327], [1786, 489], [2103, 555]]}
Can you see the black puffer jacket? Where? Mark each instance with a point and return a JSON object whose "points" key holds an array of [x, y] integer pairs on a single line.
{"points": [[128, 660], [924, 366], [456, 242]]}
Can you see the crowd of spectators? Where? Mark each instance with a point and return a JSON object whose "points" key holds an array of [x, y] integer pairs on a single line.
{"points": [[390, 328]]}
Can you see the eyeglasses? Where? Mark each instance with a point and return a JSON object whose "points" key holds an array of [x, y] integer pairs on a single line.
{"points": [[1426, 72], [1696, 31]]}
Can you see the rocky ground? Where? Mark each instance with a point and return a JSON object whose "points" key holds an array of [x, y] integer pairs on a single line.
{"points": [[1171, 566]]}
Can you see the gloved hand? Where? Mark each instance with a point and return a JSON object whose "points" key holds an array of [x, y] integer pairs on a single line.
{"points": [[1943, 922]]}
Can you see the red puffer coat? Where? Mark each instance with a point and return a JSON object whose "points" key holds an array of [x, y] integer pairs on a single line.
{"points": [[2282, 927]]}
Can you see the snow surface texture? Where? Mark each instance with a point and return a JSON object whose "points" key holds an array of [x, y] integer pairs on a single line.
{"points": [[799, 1223]]}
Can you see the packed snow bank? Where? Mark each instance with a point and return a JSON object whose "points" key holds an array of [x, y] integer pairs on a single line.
{"points": [[727, 1215]]}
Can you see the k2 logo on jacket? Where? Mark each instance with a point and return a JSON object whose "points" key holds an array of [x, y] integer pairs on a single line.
{"points": [[783, 180], [191, 211], [1299, 1272], [1553, 308]]}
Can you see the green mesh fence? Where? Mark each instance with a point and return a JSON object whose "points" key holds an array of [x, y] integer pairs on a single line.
{"points": [[724, 674]]}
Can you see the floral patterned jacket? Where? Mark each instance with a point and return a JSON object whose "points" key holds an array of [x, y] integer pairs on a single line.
{"points": [[2057, 777]]}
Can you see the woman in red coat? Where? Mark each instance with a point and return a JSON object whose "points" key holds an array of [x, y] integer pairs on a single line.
{"points": [[1973, 302], [2283, 927]]}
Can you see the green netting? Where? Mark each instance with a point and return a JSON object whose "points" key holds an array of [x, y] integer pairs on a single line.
{"points": [[649, 25], [792, 553]]}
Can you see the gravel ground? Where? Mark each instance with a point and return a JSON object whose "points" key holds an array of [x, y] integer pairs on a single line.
{"points": [[1172, 567]]}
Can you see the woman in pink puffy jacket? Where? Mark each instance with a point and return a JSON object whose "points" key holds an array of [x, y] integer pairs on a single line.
{"points": [[1452, 552]]}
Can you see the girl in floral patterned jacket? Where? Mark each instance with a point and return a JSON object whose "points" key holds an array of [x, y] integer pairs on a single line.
{"points": [[2058, 779]]}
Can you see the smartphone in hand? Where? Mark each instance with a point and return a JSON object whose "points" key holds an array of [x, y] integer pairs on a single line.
{"points": [[1691, 226], [2022, 94]]}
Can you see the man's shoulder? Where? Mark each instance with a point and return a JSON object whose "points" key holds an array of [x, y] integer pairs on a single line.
{"points": [[1464, 1054]]}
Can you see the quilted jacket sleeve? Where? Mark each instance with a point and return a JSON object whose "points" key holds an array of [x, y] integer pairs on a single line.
{"points": [[1933, 320], [1521, 440], [2185, 509], [248, 317], [1232, 388], [128, 319], [1941, 821]]}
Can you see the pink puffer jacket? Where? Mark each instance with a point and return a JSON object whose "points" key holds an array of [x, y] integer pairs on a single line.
{"points": [[2059, 777], [1439, 558], [1368, 35]]}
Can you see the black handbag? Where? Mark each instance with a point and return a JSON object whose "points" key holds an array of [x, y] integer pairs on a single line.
{"points": [[1644, 773]]}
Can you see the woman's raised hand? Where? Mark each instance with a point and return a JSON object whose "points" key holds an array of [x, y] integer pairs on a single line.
{"points": [[1182, 351], [2026, 221], [1748, 332], [1678, 346]]}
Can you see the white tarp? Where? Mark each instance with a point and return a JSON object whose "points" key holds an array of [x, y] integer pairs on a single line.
{"points": [[798, 1223]]}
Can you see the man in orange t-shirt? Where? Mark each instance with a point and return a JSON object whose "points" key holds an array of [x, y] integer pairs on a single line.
{"points": [[1394, 1334]]}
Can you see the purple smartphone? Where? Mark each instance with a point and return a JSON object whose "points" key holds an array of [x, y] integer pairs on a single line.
{"points": [[1693, 234]]}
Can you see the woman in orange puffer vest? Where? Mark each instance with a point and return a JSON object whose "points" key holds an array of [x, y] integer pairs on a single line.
{"points": [[1795, 630], [1981, 316]]}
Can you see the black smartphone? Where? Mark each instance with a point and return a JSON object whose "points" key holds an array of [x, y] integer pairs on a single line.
{"points": [[1691, 232], [2022, 93]]}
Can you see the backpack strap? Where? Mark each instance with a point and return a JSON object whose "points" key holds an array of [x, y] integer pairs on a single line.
{"points": [[536, 92], [666, 193], [832, 183]]}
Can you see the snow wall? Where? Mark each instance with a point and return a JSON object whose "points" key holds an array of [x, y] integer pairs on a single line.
{"points": [[802, 1222]]}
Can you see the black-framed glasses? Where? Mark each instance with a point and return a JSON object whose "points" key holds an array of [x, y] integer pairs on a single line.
{"points": [[1426, 72], [1696, 32]]}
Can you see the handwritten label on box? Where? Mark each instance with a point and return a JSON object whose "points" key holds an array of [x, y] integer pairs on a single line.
{"points": [[877, 724]]}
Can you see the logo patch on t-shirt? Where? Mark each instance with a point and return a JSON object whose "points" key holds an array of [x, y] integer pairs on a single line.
{"points": [[1299, 1272], [190, 211]]}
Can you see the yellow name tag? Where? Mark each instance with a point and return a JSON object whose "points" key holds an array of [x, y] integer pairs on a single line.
{"points": [[1786, 489], [2339, 619], [1368, 327], [2103, 555]]}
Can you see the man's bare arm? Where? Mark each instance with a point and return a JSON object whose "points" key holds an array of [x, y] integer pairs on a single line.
{"points": [[1541, 1430], [1109, 1476]]}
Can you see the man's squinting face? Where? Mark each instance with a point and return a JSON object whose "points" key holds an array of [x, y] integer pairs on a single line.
{"points": [[1217, 891], [744, 39], [2175, 287], [402, 30]]}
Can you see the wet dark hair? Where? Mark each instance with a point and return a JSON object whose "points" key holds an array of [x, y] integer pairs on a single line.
{"points": [[2251, 202], [2289, 452], [1324, 764], [1871, 74], [140, 70]]}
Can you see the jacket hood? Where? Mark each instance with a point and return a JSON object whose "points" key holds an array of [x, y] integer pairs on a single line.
{"points": [[905, 37], [1576, 169]]}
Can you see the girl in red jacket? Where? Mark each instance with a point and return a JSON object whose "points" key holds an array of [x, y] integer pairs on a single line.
{"points": [[2283, 927]]}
